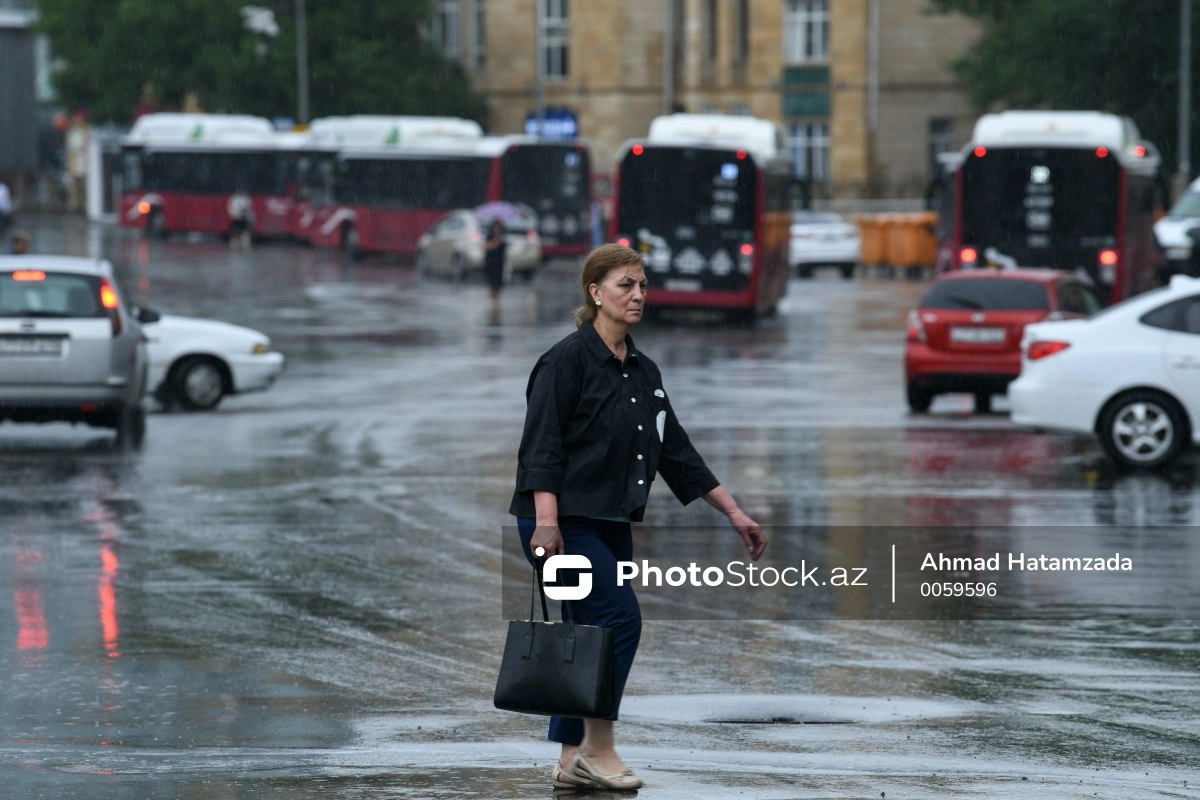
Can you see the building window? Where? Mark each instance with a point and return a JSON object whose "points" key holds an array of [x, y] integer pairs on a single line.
{"points": [[479, 35], [554, 20], [741, 56], [445, 27], [941, 140], [708, 68], [806, 31], [810, 150]]}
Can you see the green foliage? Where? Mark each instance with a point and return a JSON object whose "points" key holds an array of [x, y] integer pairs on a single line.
{"points": [[1107, 55], [364, 57]]}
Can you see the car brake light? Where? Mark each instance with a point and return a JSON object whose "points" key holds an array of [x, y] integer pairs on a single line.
{"points": [[1042, 349], [476, 236], [110, 301], [531, 235], [29, 275], [916, 330]]}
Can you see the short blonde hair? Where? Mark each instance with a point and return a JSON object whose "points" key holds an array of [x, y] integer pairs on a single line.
{"points": [[601, 261]]}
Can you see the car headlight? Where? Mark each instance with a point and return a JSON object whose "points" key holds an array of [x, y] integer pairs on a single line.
{"points": [[260, 349]]}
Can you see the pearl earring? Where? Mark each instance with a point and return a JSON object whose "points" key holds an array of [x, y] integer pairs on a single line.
{"points": [[597, 304]]}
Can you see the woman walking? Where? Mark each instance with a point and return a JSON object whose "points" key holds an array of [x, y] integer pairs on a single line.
{"points": [[598, 429], [495, 250]]}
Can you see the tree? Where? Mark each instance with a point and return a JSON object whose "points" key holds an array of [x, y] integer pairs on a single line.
{"points": [[1105, 55], [364, 57]]}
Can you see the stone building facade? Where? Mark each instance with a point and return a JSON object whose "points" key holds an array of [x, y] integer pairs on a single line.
{"points": [[863, 87]]}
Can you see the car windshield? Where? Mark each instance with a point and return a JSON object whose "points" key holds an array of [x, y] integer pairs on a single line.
{"points": [[815, 218], [1188, 205], [33, 293], [988, 294]]}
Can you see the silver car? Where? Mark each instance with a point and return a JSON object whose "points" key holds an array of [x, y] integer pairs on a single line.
{"points": [[71, 348], [454, 246]]}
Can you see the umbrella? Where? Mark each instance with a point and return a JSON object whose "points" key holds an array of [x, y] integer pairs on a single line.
{"points": [[500, 211]]}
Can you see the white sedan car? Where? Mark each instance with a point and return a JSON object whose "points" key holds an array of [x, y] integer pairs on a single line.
{"points": [[818, 238], [1130, 374], [196, 362]]}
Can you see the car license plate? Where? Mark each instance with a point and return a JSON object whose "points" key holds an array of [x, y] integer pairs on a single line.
{"points": [[977, 335], [30, 346]]}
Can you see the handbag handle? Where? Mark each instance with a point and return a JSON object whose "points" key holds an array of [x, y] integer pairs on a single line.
{"points": [[538, 589]]}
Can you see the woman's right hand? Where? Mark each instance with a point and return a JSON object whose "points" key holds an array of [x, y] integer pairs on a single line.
{"points": [[547, 537]]}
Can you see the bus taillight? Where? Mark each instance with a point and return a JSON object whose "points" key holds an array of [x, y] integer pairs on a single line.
{"points": [[144, 208], [623, 241], [980, 151], [741, 154], [638, 149], [746, 260], [1140, 151], [1101, 152], [968, 256], [1108, 266]]}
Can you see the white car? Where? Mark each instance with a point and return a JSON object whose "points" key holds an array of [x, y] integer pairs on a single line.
{"points": [[196, 362], [819, 238], [1130, 374], [1171, 231]]}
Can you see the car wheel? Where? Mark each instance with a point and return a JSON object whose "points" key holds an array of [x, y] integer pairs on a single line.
{"points": [[130, 426], [198, 383], [919, 398], [350, 241], [1143, 429], [983, 403], [848, 270]]}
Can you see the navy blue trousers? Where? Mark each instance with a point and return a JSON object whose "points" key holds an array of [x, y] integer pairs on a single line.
{"points": [[608, 606]]}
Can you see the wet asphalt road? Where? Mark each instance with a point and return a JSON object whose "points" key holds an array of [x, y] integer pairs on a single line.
{"points": [[296, 596]]}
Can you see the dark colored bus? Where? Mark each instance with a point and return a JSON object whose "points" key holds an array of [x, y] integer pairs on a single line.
{"points": [[1066, 190], [705, 198]]}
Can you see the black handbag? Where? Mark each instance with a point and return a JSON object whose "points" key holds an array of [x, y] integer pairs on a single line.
{"points": [[556, 668]]}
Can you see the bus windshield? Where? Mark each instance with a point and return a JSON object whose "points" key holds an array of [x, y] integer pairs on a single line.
{"points": [[1042, 206], [547, 177], [209, 172], [433, 183], [666, 189]]}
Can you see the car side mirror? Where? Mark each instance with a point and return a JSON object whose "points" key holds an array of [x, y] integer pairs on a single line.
{"points": [[148, 315]]}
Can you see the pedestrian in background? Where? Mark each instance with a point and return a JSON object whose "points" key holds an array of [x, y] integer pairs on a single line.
{"points": [[598, 428], [495, 251], [6, 208], [19, 243], [241, 218]]}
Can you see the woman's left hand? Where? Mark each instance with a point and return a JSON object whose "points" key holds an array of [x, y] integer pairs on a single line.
{"points": [[750, 531]]}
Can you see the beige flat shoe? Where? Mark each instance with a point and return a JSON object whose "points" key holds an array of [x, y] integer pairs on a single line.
{"points": [[563, 777], [584, 770]]}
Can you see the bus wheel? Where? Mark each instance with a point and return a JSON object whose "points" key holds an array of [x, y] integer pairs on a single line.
{"points": [[350, 241]]}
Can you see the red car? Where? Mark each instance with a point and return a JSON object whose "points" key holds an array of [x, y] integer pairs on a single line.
{"points": [[965, 336]]}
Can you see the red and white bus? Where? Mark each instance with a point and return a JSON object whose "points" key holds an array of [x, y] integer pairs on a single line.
{"points": [[375, 184], [178, 171], [554, 178], [705, 197], [1071, 190]]}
